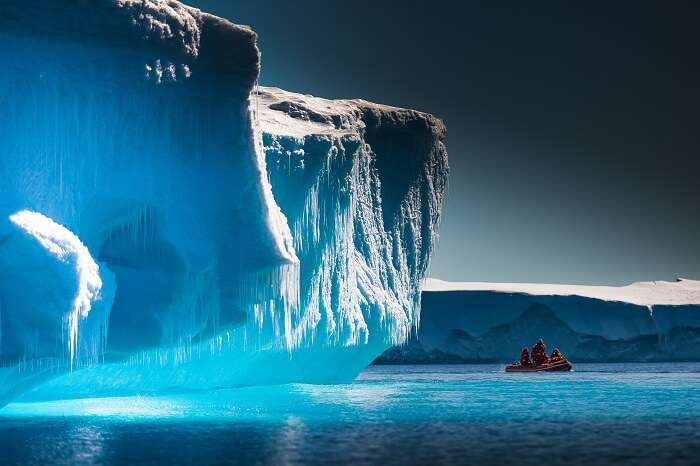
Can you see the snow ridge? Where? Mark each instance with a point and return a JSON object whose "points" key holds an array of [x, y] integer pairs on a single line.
{"points": [[166, 20], [678, 293]]}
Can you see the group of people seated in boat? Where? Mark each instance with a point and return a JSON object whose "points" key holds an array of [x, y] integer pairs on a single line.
{"points": [[539, 355]]}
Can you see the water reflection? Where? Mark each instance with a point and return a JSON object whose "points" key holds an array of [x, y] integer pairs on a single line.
{"points": [[389, 416]]}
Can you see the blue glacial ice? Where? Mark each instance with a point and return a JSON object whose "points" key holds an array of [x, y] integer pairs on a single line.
{"points": [[168, 225]]}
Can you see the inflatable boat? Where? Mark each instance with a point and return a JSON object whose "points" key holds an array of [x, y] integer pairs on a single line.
{"points": [[558, 366]]}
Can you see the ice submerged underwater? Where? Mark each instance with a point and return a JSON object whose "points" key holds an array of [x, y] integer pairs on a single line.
{"points": [[166, 225]]}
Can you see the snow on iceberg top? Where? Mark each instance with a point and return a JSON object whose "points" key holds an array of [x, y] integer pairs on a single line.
{"points": [[678, 293], [284, 113], [164, 28]]}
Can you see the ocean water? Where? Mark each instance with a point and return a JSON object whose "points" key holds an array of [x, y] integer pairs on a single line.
{"points": [[471, 414]]}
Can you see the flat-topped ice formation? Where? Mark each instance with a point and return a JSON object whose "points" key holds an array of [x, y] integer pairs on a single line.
{"points": [[129, 134], [284, 113], [490, 322], [677, 293]]}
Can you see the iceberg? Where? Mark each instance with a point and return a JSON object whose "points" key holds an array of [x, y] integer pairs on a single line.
{"points": [[491, 322], [166, 224]]}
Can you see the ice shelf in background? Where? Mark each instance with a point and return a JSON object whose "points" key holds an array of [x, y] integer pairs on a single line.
{"points": [[490, 322], [677, 293]]}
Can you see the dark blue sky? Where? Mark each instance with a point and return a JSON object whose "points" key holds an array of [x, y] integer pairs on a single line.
{"points": [[573, 128]]}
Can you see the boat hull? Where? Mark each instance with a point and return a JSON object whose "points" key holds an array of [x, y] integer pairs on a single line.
{"points": [[560, 366]]}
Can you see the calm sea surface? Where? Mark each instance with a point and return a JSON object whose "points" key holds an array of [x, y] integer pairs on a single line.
{"points": [[599, 414]]}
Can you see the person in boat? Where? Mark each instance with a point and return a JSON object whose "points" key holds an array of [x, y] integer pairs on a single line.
{"points": [[539, 353], [525, 358], [556, 356]]}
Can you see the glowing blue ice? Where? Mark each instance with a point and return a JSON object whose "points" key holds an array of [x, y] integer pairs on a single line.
{"points": [[146, 206]]}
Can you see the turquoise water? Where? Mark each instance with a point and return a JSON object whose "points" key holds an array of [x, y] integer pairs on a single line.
{"points": [[622, 414]]}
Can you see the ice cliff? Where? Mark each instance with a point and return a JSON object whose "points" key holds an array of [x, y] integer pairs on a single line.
{"points": [[491, 322], [167, 225]]}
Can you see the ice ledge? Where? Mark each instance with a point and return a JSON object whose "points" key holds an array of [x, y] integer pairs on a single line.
{"points": [[283, 113], [679, 293]]}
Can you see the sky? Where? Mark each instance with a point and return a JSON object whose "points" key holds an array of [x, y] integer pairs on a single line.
{"points": [[573, 127]]}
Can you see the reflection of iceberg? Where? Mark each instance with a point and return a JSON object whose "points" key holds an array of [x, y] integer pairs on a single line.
{"points": [[131, 141], [469, 322]]}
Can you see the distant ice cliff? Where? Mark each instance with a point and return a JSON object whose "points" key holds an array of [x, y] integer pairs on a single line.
{"points": [[491, 322]]}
